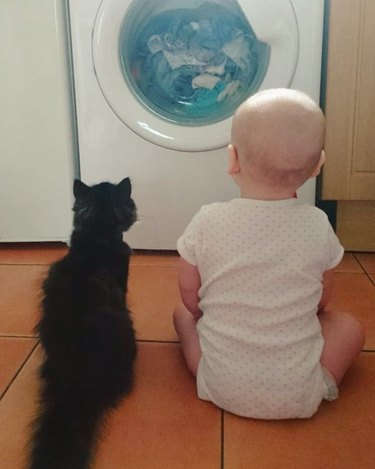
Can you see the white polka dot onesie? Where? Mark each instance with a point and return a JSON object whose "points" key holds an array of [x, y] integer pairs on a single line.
{"points": [[261, 265]]}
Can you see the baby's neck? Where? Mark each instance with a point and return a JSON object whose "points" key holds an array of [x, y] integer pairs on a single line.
{"points": [[259, 193]]}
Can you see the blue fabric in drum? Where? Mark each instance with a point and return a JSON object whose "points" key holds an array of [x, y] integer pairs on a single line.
{"points": [[192, 66]]}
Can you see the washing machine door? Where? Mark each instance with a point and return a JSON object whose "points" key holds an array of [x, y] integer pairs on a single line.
{"points": [[174, 71]]}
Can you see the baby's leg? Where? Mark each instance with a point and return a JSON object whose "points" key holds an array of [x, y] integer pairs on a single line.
{"points": [[186, 327], [344, 337]]}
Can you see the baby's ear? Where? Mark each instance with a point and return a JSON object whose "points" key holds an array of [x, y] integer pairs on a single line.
{"points": [[318, 167], [233, 163]]}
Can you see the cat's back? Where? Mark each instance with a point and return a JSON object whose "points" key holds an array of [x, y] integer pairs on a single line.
{"points": [[85, 320], [80, 282]]}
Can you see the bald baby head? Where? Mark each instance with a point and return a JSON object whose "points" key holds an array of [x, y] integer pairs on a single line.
{"points": [[278, 136]]}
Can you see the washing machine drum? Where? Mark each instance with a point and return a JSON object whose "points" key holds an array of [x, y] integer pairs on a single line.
{"points": [[174, 71]]}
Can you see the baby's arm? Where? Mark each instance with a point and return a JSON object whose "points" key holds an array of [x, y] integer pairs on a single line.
{"points": [[189, 282], [327, 290]]}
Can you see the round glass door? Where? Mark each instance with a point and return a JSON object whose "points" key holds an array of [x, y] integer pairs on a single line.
{"points": [[191, 62], [174, 71]]}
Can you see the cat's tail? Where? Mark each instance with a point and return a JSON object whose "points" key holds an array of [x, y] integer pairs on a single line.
{"points": [[65, 433]]}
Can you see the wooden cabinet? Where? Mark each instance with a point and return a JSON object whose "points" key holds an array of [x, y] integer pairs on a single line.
{"points": [[349, 174]]}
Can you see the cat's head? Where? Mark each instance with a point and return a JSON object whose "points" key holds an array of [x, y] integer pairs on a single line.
{"points": [[104, 205]]}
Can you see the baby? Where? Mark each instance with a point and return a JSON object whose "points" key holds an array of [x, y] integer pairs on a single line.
{"points": [[256, 273]]}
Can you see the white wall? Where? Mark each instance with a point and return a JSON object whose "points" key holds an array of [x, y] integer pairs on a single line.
{"points": [[37, 139]]}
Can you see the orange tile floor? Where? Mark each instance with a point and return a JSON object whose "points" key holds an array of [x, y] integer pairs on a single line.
{"points": [[163, 424]]}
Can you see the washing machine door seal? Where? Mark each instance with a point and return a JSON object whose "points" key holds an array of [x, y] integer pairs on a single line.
{"points": [[273, 22]]}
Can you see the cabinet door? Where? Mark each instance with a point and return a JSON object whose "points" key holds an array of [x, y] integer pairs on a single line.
{"points": [[349, 173]]}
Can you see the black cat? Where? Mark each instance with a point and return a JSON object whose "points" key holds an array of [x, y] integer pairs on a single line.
{"points": [[85, 330]]}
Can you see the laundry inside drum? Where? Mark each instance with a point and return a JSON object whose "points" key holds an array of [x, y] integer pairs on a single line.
{"points": [[192, 63]]}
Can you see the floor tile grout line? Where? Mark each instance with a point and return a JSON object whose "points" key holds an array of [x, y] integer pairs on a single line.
{"points": [[19, 370], [368, 275], [152, 265], [351, 273], [153, 341], [35, 264], [143, 264], [371, 279], [20, 336], [360, 263], [24, 264], [35, 337], [156, 264], [365, 270]]}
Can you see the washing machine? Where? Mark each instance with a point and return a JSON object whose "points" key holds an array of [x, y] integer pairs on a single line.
{"points": [[156, 84]]}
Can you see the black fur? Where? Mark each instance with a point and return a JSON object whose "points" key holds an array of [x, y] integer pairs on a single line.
{"points": [[85, 330]]}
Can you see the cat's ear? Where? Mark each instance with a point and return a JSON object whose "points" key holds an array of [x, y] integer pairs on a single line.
{"points": [[81, 191], [124, 188]]}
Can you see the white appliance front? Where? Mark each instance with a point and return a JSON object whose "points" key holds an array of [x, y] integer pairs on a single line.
{"points": [[38, 151], [157, 83]]}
